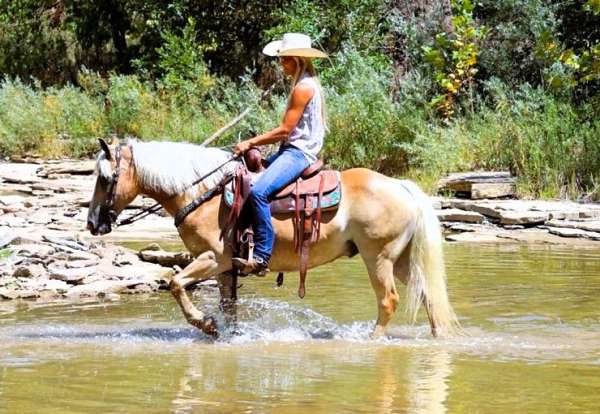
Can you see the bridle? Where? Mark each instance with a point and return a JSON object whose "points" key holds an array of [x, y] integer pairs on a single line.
{"points": [[109, 205]]}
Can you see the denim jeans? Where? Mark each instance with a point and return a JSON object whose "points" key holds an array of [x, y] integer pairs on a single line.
{"points": [[284, 167]]}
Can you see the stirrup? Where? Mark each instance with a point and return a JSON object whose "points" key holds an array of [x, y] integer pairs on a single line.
{"points": [[255, 266]]}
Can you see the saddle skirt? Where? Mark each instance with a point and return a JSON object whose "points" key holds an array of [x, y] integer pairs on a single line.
{"points": [[303, 200]]}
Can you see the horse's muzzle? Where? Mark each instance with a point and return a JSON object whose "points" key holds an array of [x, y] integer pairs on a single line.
{"points": [[103, 228]]}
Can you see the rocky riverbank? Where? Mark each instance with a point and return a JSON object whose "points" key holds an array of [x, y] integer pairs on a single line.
{"points": [[46, 253]]}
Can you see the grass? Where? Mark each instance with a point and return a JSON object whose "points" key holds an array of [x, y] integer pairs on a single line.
{"points": [[550, 145]]}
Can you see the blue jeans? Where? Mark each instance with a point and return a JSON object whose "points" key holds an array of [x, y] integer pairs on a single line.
{"points": [[284, 167]]}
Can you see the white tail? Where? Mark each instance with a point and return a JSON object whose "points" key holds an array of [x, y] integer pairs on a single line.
{"points": [[427, 280]]}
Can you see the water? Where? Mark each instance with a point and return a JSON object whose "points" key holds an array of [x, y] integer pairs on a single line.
{"points": [[532, 345]]}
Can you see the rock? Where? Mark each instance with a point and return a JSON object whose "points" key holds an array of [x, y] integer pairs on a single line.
{"points": [[11, 220], [34, 270], [589, 214], [6, 239], [454, 214], [15, 179], [72, 212], [21, 189], [68, 167], [39, 218], [588, 225], [69, 242], [522, 217], [152, 247], [564, 215], [543, 236], [436, 202], [65, 254], [70, 275], [513, 227], [125, 258], [475, 237], [78, 264], [21, 240], [11, 200], [479, 185], [142, 288], [167, 259], [34, 250], [485, 208], [462, 227], [96, 288], [112, 297], [6, 280], [48, 295], [56, 285], [95, 277], [6, 293], [27, 293], [571, 232]]}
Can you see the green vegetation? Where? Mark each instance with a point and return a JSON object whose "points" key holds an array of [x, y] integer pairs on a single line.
{"points": [[4, 254], [413, 88]]}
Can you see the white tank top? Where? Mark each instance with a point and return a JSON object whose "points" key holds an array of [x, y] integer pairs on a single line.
{"points": [[308, 134]]}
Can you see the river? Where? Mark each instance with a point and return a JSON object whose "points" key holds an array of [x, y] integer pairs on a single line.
{"points": [[531, 345]]}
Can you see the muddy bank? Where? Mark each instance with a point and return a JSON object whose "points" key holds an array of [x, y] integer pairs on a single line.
{"points": [[46, 253]]}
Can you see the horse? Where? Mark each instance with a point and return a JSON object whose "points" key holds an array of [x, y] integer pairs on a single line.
{"points": [[389, 222]]}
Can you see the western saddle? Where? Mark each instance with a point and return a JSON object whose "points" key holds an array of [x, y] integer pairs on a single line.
{"points": [[315, 191]]}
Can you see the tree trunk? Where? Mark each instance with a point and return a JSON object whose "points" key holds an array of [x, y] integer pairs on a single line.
{"points": [[118, 27]]}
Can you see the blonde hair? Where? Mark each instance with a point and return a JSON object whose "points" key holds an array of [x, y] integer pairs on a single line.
{"points": [[305, 65]]}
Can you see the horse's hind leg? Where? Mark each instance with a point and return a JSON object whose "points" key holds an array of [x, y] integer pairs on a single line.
{"points": [[402, 272], [381, 274]]}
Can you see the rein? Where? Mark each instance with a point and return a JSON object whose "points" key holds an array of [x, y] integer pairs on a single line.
{"points": [[110, 200], [153, 209]]}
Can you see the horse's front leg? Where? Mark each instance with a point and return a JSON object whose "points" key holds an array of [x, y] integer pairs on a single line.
{"points": [[228, 290], [203, 267]]}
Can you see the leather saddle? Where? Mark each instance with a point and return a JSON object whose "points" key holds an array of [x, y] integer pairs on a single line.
{"points": [[315, 191]]}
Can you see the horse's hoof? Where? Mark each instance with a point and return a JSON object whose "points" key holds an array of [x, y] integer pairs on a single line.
{"points": [[209, 326]]}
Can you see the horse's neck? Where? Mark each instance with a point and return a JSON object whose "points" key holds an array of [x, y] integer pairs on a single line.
{"points": [[172, 204]]}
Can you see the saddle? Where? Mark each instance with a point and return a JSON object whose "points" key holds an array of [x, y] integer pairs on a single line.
{"points": [[304, 200]]}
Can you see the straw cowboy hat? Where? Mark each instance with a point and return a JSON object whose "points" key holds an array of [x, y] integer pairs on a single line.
{"points": [[293, 44]]}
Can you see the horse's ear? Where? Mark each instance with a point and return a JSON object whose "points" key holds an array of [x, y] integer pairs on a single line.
{"points": [[114, 141], [105, 148]]}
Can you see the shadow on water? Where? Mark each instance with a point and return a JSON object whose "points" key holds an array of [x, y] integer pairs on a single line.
{"points": [[154, 334], [226, 335]]}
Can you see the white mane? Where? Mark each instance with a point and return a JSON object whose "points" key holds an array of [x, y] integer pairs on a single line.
{"points": [[172, 167]]}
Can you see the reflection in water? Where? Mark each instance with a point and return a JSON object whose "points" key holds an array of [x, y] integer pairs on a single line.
{"points": [[416, 383], [429, 389], [532, 319]]}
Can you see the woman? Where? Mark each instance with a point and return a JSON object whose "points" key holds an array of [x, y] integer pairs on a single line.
{"points": [[301, 135]]}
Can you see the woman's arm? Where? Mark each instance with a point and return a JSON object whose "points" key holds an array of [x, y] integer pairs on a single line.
{"points": [[301, 96]]}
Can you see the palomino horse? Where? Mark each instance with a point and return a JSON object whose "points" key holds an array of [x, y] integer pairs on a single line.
{"points": [[389, 222]]}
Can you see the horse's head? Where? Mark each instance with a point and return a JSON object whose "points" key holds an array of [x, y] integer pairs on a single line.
{"points": [[116, 187]]}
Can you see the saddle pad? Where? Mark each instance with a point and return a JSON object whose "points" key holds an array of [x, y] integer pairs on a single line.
{"points": [[288, 204]]}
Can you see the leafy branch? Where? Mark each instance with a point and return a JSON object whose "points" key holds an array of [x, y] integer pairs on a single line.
{"points": [[453, 56]]}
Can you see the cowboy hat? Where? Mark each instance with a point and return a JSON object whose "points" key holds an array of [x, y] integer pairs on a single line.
{"points": [[293, 44]]}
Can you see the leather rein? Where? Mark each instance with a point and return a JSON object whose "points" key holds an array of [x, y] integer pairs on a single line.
{"points": [[153, 209]]}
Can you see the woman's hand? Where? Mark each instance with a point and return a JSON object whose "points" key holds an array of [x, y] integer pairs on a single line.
{"points": [[242, 147]]}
